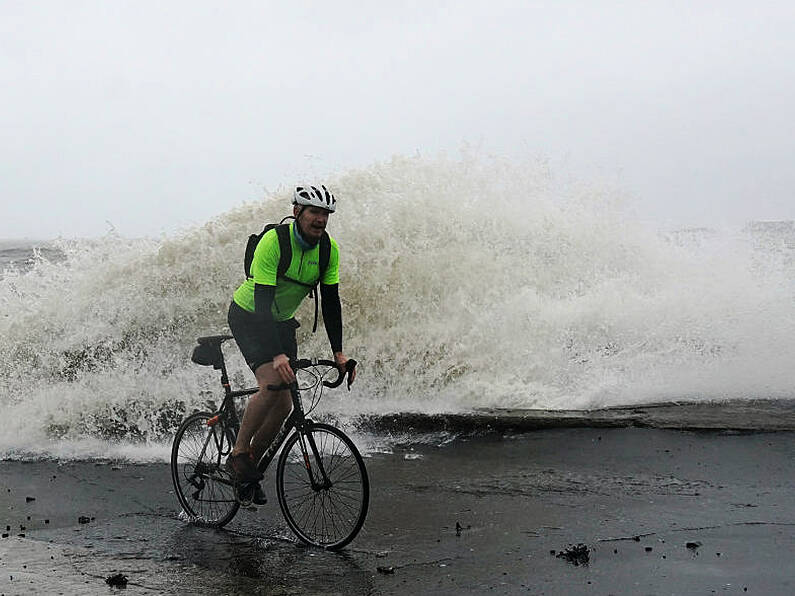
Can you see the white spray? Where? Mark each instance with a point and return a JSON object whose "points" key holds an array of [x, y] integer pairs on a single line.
{"points": [[465, 283]]}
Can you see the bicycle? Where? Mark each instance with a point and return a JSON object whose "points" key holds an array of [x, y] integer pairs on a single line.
{"points": [[321, 480]]}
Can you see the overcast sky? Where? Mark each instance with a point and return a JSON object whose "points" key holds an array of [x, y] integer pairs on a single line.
{"points": [[158, 115]]}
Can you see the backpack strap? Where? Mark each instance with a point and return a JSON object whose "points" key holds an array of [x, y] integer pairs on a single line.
{"points": [[286, 255], [285, 249], [325, 254]]}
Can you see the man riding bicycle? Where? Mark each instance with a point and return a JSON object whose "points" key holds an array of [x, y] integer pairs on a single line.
{"points": [[261, 318]]}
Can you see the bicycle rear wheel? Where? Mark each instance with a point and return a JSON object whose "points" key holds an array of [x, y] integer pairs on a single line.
{"points": [[326, 511], [204, 488]]}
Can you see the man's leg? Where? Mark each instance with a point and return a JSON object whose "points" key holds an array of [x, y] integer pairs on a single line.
{"points": [[265, 412], [281, 404]]}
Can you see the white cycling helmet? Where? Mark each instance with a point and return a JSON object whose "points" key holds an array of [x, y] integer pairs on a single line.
{"points": [[315, 196]]}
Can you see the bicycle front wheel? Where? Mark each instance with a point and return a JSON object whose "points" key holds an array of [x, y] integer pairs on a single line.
{"points": [[204, 488], [322, 486]]}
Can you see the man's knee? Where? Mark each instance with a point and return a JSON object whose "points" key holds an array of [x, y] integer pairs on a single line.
{"points": [[266, 375]]}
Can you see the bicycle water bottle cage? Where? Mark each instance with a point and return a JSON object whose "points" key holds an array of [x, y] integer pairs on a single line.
{"points": [[208, 352]]}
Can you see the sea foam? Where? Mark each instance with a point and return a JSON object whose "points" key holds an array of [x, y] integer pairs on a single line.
{"points": [[466, 283]]}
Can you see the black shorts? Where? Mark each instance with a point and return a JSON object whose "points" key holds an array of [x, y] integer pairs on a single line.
{"points": [[250, 335]]}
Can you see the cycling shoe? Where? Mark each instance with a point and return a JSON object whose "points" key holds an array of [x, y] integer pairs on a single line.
{"points": [[242, 468], [252, 493]]}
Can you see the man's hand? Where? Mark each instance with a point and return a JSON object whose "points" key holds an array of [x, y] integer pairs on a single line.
{"points": [[281, 364], [341, 360]]}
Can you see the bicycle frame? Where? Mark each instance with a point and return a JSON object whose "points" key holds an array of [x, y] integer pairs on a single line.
{"points": [[297, 421]]}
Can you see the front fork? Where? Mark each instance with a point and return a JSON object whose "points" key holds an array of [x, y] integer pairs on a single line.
{"points": [[317, 474]]}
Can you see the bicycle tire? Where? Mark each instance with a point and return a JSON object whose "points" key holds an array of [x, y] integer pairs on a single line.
{"points": [[326, 517], [204, 488]]}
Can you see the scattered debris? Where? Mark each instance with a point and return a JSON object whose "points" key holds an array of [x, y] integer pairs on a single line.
{"points": [[385, 570], [635, 537], [576, 555], [119, 580]]}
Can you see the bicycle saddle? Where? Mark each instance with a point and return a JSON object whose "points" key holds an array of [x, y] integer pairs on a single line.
{"points": [[213, 339]]}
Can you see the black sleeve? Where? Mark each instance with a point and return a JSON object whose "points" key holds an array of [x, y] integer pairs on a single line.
{"points": [[263, 299], [332, 315]]}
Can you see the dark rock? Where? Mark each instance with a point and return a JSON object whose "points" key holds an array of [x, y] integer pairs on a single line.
{"points": [[693, 545], [119, 580], [5, 535], [576, 555], [83, 519], [386, 570], [29, 499], [648, 549]]}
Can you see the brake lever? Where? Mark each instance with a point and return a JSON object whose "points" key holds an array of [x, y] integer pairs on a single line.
{"points": [[350, 366]]}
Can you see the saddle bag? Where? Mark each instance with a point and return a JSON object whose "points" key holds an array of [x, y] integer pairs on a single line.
{"points": [[207, 354]]}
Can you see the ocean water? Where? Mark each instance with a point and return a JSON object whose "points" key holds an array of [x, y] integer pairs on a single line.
{"points": [[466, 283]]}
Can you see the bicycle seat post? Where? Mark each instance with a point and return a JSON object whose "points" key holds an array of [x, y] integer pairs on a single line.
{"points": [[225, 378]]}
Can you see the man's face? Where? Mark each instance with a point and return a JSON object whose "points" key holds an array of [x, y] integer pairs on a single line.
{"points": [[312, 222]]}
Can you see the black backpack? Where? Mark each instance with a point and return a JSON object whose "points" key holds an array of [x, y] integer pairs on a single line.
{"points": [[286, 255]]}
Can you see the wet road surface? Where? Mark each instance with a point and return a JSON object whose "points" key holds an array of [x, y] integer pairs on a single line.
{"points": [[483, 515]]}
